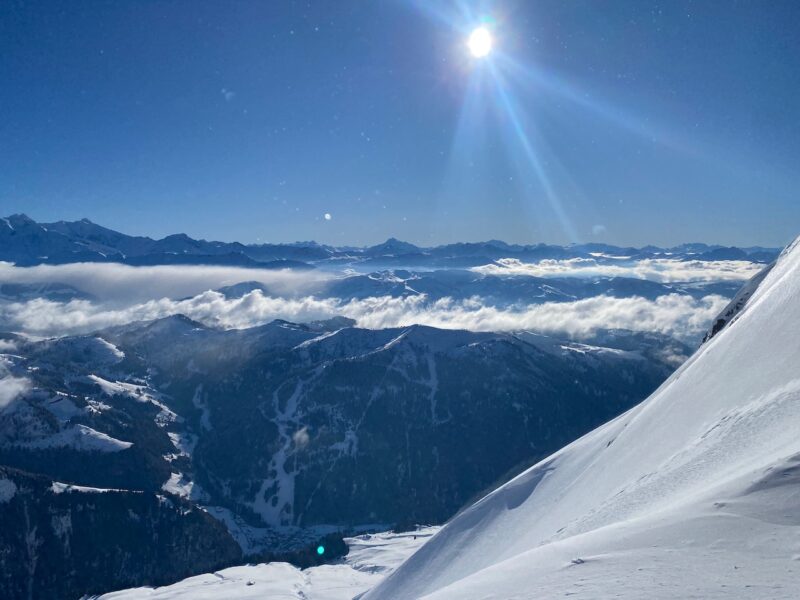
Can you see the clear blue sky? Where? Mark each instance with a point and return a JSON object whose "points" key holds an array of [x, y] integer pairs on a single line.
{"points": [[625, 121]]}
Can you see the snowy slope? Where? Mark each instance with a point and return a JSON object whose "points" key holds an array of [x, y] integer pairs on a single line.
{"points": [[369, 559], [695, 493]]}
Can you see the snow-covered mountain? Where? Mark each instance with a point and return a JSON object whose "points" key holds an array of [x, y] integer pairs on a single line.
{"points": [[694, 493], [26, 242], [347, 415], [269, 439]]}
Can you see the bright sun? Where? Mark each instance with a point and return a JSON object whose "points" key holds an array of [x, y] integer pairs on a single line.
{"points": [[480, 42]]}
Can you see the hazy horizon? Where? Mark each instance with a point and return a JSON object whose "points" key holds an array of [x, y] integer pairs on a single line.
{"points": [[422, 244]]}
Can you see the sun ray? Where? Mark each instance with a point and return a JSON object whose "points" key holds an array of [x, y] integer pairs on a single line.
{"points": [[523, 137], [538, 80]]}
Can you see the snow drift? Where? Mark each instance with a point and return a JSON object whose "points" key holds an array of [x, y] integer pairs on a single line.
{"points": [[695, 493]]}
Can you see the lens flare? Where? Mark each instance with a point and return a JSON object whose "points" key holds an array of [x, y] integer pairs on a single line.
{"points": [[480, 42]]}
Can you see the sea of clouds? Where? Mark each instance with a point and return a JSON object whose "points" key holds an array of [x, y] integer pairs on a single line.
{"points": [[661, 270], [122, 294], [113, 282], [678, 315]]}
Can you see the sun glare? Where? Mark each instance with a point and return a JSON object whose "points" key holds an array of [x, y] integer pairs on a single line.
{"points": [[480, 42]]}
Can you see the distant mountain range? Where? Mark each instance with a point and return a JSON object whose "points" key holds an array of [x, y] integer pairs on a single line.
{"points": [[210, 447], [25, 242]]}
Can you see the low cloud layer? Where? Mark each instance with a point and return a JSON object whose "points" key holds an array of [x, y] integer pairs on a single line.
{"points": [[674, 314], [123, 283], [657, 269], [123, 294]]}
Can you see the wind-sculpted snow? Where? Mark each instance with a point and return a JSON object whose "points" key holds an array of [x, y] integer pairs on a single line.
{"points": [[693, 493]]}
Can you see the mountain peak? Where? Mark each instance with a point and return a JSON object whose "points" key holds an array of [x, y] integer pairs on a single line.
{"points": [[20, 219], [393, 246]]}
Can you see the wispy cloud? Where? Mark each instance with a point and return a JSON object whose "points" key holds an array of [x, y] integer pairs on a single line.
{"points": [[11, 388], [661, 270], [674, 314], [124, 294], [115, 282]]}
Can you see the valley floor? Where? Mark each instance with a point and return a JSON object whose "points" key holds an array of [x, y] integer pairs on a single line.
{"points": [[371, 558]]}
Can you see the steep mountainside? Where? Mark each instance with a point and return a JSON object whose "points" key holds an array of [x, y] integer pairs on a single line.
{"points": [[297, 427], [63, 541], [693, 493], [286, 433]]}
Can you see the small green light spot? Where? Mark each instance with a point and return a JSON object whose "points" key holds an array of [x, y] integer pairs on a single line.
{"points": [[320, 550]]}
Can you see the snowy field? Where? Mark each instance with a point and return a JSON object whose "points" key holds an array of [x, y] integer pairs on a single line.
{"points": [[371, 558]]}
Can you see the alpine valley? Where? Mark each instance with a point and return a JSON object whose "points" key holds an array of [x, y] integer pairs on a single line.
{"points": [[161, 415]]}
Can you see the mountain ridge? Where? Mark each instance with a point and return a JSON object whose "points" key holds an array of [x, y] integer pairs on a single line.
{"points": [[285, 432], [27, 242]]}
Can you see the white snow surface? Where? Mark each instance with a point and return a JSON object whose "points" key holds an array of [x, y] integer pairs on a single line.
{"points": [[694, 493], [140, 393], [60, 488], [370, 557], [80, 437], [181, 485]]}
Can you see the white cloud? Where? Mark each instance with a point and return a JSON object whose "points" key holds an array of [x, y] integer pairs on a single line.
{"points": [[8, 346], [11, 388], [674, 314], [123, 283], [127, 294], [662, 270], [46, 317]]}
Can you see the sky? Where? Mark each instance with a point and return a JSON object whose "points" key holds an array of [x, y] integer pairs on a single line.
{"points": [[624, 121]]}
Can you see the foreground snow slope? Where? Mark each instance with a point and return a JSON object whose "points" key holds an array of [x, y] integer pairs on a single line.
{"points": [[695, 493], [369, 559]]}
